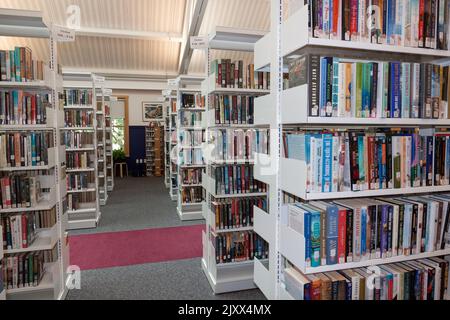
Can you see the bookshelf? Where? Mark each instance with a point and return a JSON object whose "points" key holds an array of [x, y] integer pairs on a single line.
{"points": [[3, 264], [189, 151], [101, 142], [108, 140], [167, 137], [150, 150], [234, 276], [48, 180], [280, 110], [172, 145], [85, 139]]}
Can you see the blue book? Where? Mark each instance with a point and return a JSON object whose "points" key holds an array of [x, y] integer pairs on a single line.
{"points": [[406, 90], [361, 165], [390, 30], [396, 90], [382, 166], [17, 62], [335, 95], [327, 163], [332, 229], [315, 232], [296, 146], [225, 173], [363, 231], [33, 149], [365, 90], [307, 230]]}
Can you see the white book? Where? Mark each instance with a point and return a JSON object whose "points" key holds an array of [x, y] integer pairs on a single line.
{"points": [[407, 225], [380, 90], [437, 276], [353, 107], [319, 157], [407, 176], [313, 163], [415, 90], [335, 169], [341, 91], [355, 279], [414, 11], [432, 222]]}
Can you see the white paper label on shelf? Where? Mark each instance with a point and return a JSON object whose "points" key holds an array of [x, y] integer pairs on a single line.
{"points": [[63, 34], [172, 82], [107, 92], [98, 79], [199, 42]]}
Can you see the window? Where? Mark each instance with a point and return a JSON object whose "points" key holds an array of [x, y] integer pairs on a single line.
{"points": [[118, 134]]}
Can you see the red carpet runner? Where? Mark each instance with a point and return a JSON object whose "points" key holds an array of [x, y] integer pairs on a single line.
{"points": [[115, 249]]}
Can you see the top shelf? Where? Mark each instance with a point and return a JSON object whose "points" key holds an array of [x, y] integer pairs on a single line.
{"points": [[22, 23], [296, 37], [224, 38]]}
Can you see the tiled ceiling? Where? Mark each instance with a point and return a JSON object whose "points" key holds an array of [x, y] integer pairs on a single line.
{"points": [[157, 57]]}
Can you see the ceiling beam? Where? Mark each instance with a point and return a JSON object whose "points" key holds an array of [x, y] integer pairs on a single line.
{"points": [[194, 29], [129, 34], [120, 73]]}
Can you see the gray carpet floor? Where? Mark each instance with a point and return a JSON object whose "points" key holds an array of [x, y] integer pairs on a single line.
{"points": [[136, 204]]}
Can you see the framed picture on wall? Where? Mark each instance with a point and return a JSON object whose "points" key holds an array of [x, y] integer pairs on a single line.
{"points": [[152, 111]]}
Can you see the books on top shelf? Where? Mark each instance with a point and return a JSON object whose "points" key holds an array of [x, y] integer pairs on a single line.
{"points": [[78, 97], [357, 230], [25, 149], [27, 269], [18, 107], [236, 179], [424, 279], [240, 247], [234, 74], [233, 109], [416, 23], [20, 191], [350, 88], [239, 144], [18, 66], [235, 213], [356, 160], [19, 231], [78, 118]]}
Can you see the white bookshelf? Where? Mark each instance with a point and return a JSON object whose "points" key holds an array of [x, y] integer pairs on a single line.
{"points": [[88, 214], [101, 142], [225, 277], [187, 85], [109, 100], [287, 109], [172, 140], [25, 24]]}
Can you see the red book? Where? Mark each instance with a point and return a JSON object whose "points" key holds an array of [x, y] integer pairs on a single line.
{"points": [[243, 179], [33, 110], [219, 76], [353, 18], [342, 229], [422, 23], [17, 149], [335, 24], [24, 232]]}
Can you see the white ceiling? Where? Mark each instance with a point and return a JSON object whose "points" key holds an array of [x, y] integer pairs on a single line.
{"points": [[156, 56]]}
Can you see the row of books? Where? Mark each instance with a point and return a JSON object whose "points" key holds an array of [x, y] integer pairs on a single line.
{"points": [[192, 101], [191, 176], [238, 144], [234, 74], [358, 160], [18, 65], [346, 231], [409, 23], [190, 138], [18, 107], [191, 195], [78, 160], [19, 231], [191, 157], [77, 139], [80, 181], [372, 89], [419, 280], [20, 191], [76, 201], [24, 149], [26, 269], [190, 119], [78, 97], [233, 109], [236, 179], [78, 118], [239, 247], [236, 213]]}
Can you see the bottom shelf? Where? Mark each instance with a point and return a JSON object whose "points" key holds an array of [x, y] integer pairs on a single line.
{"points": [[284, 295], [190, 215], [232, 281], [83, 224]]}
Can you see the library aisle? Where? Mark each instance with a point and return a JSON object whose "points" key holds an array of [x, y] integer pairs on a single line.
{"points": [[112, 269]]}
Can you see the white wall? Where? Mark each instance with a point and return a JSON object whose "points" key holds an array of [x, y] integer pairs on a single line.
{"points": [[135, 99]]}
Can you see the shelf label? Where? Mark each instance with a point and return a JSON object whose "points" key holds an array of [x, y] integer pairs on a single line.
{"points": [[98, 79], [199, 42], [107, 92], [172, 82], [63, 34]]}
